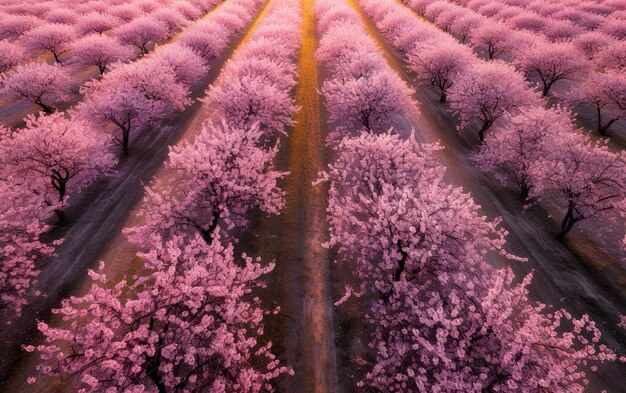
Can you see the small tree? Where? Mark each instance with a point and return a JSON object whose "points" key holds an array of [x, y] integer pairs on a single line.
{"points": [[39, 83], [55, 157], [132, 97], [100, 51], [10, 55], [440, 64], [142, 33], [584, 176], [605, 92], [551, 63], [51, 37], [486, 92], [374, 102], [494, 39], [521, 140], [223, 175]]}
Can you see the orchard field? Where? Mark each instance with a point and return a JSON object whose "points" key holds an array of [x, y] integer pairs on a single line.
{"points": [[312, 196]]}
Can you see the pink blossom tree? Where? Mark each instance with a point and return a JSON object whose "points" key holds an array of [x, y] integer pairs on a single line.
{"points": [[60, 15], [452, 331], [551, 63], [126, 12], [605, 92], [22, 219], [615, 56], [100, 51], [132, 97], [188, 324], [224, 174], [494, 39], [188, 66], [51, 37], [254, 98], [55, 157], [584, 176], [10, 55], [142, 33], [374, 101], [13, 26], [486, 92], [39, 83], [95, 22], [440, 64], [521, 140], [171, 19], [592, 43], [389, 210]]}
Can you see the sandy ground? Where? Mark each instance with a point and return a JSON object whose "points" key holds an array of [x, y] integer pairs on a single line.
{"points": [[94, 234]]}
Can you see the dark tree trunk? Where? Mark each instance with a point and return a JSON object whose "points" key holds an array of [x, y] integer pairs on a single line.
{"points": [[444, 97], [567, 223], [481, 133]]}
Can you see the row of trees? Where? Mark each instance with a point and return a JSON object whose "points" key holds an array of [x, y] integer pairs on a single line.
{"points": [[49, 85], [543, 59], [191, 320], [492, 93], [57, 155], [442, 318]]}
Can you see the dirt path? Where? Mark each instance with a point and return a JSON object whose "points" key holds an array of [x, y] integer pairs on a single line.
{"points": [[94, 233], [300, 284], [578, 276]]}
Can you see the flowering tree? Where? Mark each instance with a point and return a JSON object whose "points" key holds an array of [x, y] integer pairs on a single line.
{"points": [[12, 26], [60, 15], [171, 19], [486, 92], [22, 219], [224, 174], [95, 22], [605, 92], [247, 99], [38, 83], [493, 38], [187, 325], [188, 66], [551, 63], [10, 55], [453, 332], [440, 64], [132, 96], [142, 33], [591, 43], [615, 56], [100, 51], [55, 157], [584, 176], [51, 37], [389, 210], [374, 101], [513, 148]]}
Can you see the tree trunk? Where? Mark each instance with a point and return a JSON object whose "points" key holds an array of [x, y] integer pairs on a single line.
{"points": [[444, 97], [207, 234], [567, 223], [546, 88], [524, 190], [481, 133], [46, 108], [125, 141]]}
